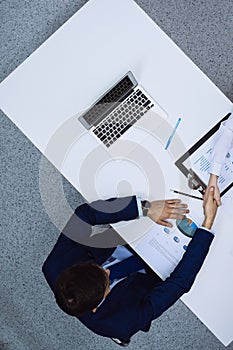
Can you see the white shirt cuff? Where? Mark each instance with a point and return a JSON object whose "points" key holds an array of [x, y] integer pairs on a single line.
{"points": [[139, 204], [215, 168]]}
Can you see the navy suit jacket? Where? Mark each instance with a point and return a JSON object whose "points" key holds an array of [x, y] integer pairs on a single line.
{"points": [[138, 299]]}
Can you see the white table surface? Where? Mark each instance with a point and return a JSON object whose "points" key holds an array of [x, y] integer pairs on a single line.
{"points": [[75, 65]]}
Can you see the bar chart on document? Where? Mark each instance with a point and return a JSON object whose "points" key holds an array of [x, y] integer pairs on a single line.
{"points": [[201, 160]]}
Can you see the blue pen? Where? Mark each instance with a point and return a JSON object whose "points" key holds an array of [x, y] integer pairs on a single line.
{"points": [[173, 133]]}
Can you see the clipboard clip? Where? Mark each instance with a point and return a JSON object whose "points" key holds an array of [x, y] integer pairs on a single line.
{"points": [[194, 182]]}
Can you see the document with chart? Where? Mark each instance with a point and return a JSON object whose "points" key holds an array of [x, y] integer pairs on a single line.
{"points": [[164, 247], [198, 158], [201, 160]]}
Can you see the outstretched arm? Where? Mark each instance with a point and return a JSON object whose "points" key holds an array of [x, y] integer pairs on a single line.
{"points": [[167, 292], [108, 211], [114, 210]]}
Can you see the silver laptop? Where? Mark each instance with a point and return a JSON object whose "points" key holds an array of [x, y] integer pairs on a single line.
{"points": [[117, 110]]}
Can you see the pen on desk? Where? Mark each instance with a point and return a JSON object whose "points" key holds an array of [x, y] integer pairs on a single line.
{"points": [[186, 194], [172, 134]]}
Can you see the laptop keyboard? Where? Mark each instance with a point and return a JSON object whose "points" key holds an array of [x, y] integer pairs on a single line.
{"points": [[123, 117]]}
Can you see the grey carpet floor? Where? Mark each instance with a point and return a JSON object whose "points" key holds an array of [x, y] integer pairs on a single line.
{"points": [[29, 318]]}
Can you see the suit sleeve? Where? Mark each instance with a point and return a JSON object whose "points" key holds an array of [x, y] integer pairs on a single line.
{"points": [[79, 227], [108, 211], [167, 292]]}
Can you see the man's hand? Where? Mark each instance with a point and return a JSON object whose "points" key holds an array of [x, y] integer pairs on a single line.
{"points": [[210, 208], [161, 210], [213, 181]]}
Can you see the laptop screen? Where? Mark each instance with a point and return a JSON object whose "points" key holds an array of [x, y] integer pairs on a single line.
{"points": [[108, 101]]}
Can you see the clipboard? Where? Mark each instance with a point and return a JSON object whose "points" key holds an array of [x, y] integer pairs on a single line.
{"points": [[195, 181]]}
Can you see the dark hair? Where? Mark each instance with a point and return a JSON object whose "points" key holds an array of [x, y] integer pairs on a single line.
{"points": [[80, 288]]}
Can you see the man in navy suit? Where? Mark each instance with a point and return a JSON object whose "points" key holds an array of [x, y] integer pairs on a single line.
{"points": [[113, 304]]}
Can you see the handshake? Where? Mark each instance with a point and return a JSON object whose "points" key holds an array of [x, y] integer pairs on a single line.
{"points": [[161, 210]]}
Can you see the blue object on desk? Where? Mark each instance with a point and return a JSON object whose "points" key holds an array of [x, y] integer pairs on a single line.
{"points": [[186, 226], [172, 134]]}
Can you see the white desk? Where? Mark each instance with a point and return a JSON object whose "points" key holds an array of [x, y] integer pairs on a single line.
{"points": [[72, 68]]}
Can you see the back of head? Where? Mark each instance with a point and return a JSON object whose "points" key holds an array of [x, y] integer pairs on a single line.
{"points": [[80, 288]]}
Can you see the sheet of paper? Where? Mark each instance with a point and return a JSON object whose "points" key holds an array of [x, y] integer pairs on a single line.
{"points": [[163, 247]]}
